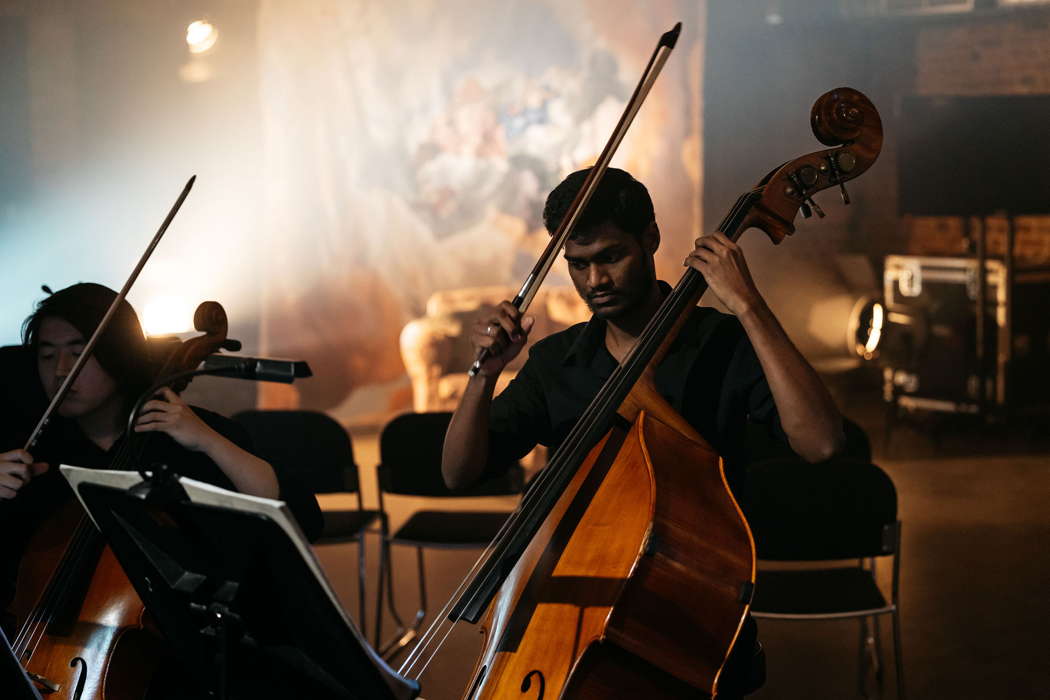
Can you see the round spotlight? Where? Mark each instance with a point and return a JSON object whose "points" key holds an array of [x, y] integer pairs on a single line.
{"points": [[866, 327], [201, 35]]}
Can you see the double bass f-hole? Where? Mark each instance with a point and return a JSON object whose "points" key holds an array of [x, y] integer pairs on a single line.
{"points": [[81, 677], [526, 683]]}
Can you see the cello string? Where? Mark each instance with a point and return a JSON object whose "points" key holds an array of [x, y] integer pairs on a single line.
{"points": [[65, 573], [44, 611], [597, 408], [83, 541]]}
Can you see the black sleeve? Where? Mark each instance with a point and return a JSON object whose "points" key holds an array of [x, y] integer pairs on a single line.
{"points": [[301, 501], [748, 417], [519, 419]]}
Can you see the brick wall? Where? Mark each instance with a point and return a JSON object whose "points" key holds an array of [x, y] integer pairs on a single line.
{"points": [[985, 57], [950, 235]]}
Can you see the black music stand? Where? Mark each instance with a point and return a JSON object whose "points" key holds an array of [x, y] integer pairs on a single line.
{"points": [[13, 678], [233, 586]]}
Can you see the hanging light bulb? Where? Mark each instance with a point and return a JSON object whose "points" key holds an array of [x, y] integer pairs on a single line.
{"points": [[201, 36]]}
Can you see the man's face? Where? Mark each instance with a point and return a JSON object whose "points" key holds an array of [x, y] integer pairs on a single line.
{"points": [[613, 270], [59, 346]]}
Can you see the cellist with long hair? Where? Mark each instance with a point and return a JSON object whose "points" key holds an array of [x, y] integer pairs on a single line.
{"points": [[89, 428]]}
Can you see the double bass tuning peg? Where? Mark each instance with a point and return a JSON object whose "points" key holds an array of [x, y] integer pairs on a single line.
{"points": [[838, 163], [806, 174]]}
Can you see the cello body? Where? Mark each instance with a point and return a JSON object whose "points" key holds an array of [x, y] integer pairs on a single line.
{"points": [[94, 644], [645, 548]]}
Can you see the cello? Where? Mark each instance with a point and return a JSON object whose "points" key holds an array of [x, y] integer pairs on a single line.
{"points": [[81, 626], [628, 569]]}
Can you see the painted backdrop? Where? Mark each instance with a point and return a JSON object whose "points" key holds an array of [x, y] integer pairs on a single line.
{"points": [[408, 148]]}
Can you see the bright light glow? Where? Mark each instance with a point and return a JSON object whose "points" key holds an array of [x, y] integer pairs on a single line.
{"points": [[167, 315], [875, 332], [201, 35], [196, 70]]}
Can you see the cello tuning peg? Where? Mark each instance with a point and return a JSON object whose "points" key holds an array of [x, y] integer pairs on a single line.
{"points": [[806, 211], [843, 192]]}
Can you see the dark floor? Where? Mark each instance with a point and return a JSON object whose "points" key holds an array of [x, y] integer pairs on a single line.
{"points": [[975, 576]]}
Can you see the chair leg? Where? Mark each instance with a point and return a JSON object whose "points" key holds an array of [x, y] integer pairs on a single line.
{"points": [[876, 652], [862, 657], [384, 532], [404, 634], [361, 583], [422, 612], [898, 654]]}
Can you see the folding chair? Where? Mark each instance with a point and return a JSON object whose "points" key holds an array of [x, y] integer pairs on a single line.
{"points": [[835, 510], [410, 465], [318, 450]]}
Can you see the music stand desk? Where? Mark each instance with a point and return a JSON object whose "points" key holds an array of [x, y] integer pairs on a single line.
{"points": [[233, 585]]}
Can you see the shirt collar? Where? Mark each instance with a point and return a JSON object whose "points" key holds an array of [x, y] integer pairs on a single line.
{"points": [[587, 343], [592, 338]]}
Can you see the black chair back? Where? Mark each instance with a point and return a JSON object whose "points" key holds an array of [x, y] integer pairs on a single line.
{"points": [[838, 509], [410, 460], [312, 446]]}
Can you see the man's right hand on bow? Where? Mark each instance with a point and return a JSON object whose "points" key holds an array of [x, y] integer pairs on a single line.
{"points": [[503, 335]]}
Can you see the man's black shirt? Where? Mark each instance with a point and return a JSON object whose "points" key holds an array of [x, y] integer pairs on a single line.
{"points": [[710, 375]]}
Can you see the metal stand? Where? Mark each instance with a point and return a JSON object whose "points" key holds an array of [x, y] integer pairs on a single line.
{"points": [[237, 595]]}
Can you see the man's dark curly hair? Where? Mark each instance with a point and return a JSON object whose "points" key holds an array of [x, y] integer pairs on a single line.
{"points": [[619, 199]]}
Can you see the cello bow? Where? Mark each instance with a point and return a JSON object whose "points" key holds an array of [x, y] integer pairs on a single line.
{"points": [[85, 355]]}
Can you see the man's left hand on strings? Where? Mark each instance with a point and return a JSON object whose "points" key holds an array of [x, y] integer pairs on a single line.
{"points": [[722, 263]]}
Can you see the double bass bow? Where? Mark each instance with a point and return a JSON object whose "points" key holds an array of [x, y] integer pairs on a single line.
{"points": [[628, 569]]}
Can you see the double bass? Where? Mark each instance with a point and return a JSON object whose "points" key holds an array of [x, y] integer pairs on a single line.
{"points": [[628, 569]]}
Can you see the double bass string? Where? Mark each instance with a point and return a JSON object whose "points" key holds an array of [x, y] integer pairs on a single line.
{"points": [[542, 490], [649, 74]]}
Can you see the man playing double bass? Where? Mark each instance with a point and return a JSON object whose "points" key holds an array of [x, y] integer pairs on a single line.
{"points": [[732, 377]]}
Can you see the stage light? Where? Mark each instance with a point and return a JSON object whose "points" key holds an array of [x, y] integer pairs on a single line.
{"points": [[201, 35], [167, 315], [865, 327]]}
